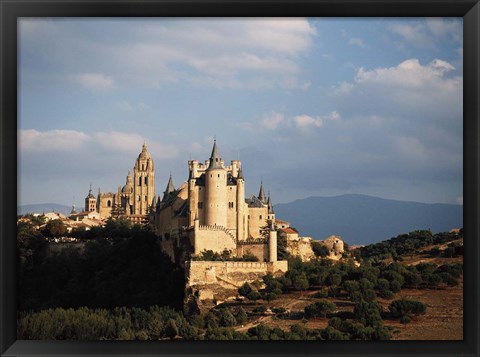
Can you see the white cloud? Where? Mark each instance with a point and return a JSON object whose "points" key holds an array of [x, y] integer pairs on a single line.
{"points": [[153, 53], [428, 87], [31, 140], [428, 33], [410, 73], [302, 121], [272, 120], [357, 42], [95, 81], [305, 121]]}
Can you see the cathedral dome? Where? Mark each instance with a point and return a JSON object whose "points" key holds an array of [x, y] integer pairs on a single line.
{"points": [[127, 188], [144, 155]]}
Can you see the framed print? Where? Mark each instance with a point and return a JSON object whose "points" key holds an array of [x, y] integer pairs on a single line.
{"points": [[239, 178]]}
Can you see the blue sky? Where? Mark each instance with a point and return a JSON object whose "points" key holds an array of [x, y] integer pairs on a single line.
{"points": [[314, 107]]}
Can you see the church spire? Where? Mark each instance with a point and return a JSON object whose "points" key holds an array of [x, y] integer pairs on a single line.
{"points": [[261, 194]]}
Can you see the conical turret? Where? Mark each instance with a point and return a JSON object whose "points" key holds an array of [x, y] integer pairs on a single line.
{"points": [[215, 160], [269, 203], [170, 188], [261, 194]]}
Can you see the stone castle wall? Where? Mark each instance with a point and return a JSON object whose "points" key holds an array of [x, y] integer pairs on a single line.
{"points": [[215, 238], [230, 274], [260, 250]]}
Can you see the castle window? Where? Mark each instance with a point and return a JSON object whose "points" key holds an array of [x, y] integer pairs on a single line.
{"points": [[219, 175], [145, 198], [200, 205], [143, 167], [140, 181], [230, 204], [109, 204], [146, 181], [139, 198], [260, 216]]}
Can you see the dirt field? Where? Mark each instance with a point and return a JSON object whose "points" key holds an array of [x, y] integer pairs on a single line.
{"points": [[443, 319]]}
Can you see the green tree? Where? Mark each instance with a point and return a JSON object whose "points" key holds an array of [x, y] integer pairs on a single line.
{"points": [[320, 249], [171, 329], [319, 308], [55, 228], [406, 307]]}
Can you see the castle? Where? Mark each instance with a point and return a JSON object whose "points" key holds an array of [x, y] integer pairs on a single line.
{"points": [[134, 199], [209, 212]]}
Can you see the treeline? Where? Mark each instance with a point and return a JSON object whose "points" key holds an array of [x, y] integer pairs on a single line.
{"points": [[159, 323], [407, 243], [128, 269], [357, 283]]}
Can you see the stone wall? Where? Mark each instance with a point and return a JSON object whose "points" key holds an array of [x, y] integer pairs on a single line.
{"points": [[209, 283], [260, 250], [215, 238], [230, 274], [301, 247]]}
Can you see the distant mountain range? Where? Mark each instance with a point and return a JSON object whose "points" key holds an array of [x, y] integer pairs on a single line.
{"points": [[358, 219], [361, 219], [44, 208]]}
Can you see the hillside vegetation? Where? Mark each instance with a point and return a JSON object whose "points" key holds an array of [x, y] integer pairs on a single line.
{"points": [[123, 287]]}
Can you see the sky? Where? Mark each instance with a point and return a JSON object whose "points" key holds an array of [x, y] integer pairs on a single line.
{"points": [[311, 106]]}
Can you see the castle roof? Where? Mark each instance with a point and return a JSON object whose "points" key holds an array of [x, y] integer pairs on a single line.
{"points": [[215, 160], [269, 203], [170, 188], [254, 202], [288, 230], [261, 194]]}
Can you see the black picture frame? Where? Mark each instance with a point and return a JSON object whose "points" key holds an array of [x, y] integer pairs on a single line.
{"points": [[13, 9]]}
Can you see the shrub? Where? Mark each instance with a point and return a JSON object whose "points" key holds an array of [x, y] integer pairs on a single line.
{"points": [[405, 307], [320, 308]]}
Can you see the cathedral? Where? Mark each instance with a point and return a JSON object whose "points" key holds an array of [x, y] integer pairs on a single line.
{"points": [[134, 199]]}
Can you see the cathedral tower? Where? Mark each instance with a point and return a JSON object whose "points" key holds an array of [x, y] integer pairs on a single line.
{"points": [[143, 182]]}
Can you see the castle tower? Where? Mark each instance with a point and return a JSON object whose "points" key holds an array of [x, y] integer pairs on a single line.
{"points": [[215, 190], [143, 182], [272, 243], [90, 201], [261, 193], [241, 235]]}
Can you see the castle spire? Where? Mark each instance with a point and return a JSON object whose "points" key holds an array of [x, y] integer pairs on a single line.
{"points": [[240, 174], [170, 188], [214, 157], [261, 194], [269, 203]]}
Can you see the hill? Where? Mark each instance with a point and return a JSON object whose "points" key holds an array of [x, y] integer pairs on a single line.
{"points": [[361, 219], [44, 207]]}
